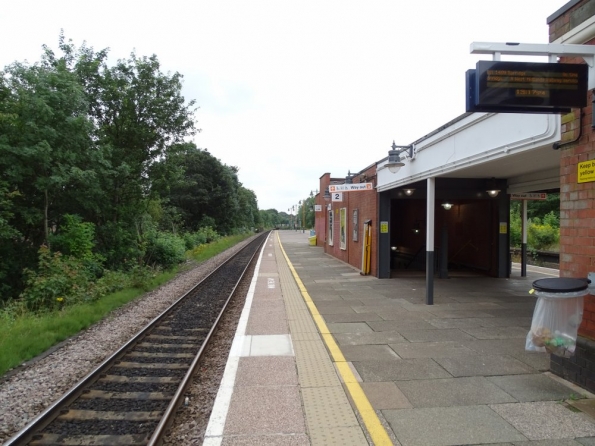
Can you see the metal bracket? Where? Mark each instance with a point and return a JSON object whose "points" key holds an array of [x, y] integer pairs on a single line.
{"points": [[552, 50]]}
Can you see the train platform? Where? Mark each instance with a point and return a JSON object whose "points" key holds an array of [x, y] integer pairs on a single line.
{"points": [[325, 356]]}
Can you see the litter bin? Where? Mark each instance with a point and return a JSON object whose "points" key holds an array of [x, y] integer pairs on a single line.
{"points": [[557, 315], [312, 241]]}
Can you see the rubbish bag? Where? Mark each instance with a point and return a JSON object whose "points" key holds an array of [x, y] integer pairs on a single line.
{"points": [[557, 315]]}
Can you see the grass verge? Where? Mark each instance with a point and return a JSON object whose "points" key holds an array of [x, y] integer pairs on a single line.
{"points": [[28, 335]]}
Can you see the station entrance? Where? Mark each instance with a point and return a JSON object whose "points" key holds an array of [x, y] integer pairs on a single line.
{"points": [[468, 229]]}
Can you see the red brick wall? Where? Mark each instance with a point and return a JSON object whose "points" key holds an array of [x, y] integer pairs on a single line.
{"points": [[577, 210], [366, 203]]}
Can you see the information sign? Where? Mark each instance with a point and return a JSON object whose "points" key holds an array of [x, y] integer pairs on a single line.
{"points": [[350, 187], [526, 87], [337, 196], [384, 227], [317, 208], [586, 171], [529, 196]]}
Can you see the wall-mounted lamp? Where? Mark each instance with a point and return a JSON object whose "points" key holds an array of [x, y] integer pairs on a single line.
{"points": [[394, 156], [492, 188], [408, 192], [349, 178], [447, 205]]}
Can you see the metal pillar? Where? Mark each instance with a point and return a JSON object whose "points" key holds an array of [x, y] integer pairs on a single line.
{"points": [[431, 199], [524, 244]]}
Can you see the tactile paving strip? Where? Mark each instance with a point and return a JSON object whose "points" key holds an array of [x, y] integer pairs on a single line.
{"points": [[315, 368], [330, 418]]}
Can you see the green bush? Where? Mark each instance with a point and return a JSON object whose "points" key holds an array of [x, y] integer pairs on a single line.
{"points": [[516, 233], [200, 237], [552, 220], [165, 250], [542, 236], [74, 238], [59, 280]]}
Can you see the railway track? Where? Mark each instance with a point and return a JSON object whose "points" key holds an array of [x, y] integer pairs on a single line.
{"points": [[132, 396]]}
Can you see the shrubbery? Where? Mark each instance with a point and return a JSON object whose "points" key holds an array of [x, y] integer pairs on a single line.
{"points": [[70, 272], [542, 234], [165, 250]]}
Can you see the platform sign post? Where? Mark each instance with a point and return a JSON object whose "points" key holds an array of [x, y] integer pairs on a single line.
{"points": [[529, 196]]}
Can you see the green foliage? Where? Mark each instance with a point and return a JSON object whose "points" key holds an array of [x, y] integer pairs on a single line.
{"points": [[202, 236], [543, 231], [516, 234], [59, 280], [24, 335], [543, 236], [165, 250], [95, 164], [74, 238], [552, 219]]}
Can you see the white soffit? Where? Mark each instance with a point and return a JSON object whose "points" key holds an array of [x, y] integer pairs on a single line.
{"points": [[482, 145]]}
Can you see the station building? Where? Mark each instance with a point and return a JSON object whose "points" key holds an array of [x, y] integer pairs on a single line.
{"points": [[446, 208]]}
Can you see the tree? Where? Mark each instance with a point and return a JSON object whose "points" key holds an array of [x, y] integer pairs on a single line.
{"points": [[44, 143]]}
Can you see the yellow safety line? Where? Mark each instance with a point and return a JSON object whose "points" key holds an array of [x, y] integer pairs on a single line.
{"points": [[369, 417]]}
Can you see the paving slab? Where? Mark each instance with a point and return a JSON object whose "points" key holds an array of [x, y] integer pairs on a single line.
{"points": [[349, 327], [268, 322], [435, 334], [383, 337], [546, 420], [430, 350], [449, 314], [403, 323], [265, 410], [361, 317], [486, 365], [527, 388], [434, 426], [266, 371], [538, 361], [385, 395], [496, 346], [404, 369], [369, 353], [497, 332], [471, 322], [267, 440], [524, 322], [449, 392]]}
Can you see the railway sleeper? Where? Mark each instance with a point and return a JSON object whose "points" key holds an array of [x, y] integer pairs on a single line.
{"points": [[101, 394], [152, 365], [159, 355], [88, 440]]}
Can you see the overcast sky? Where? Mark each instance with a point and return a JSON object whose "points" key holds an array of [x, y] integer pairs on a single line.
{"points": [[289, 90]]}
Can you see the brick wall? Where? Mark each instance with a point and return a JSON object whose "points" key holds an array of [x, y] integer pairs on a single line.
{"points": [[366, 204], [577, 212]]}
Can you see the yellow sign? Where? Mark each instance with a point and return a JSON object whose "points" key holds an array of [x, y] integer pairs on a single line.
{"points": [[384, 227], [503, 227], [586, 171]]}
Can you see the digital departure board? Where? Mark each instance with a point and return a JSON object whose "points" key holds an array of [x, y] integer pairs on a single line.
{"points": [[526, 87]]}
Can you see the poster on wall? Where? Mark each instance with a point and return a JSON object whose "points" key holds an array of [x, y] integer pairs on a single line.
{"points": [[343, 227]]}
